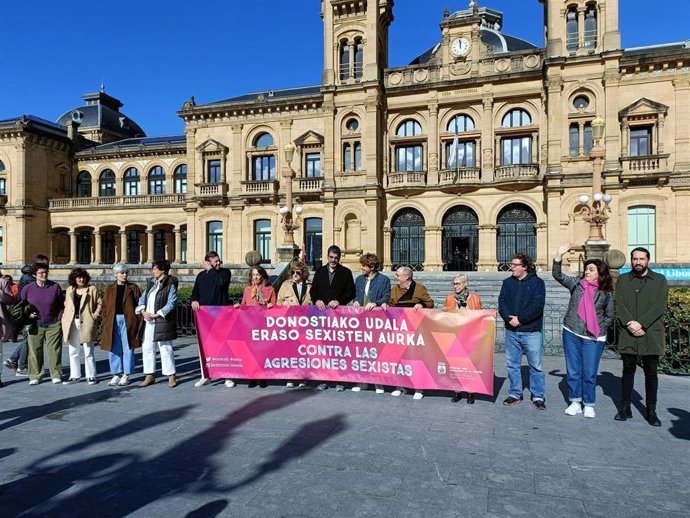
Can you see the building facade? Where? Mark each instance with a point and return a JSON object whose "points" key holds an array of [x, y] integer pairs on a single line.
{"points": [[477, 149]]}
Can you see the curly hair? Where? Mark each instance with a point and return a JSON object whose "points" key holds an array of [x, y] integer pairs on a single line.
{"points": [[162, 264], [75, 274], [301, 266], [370, 260], [605, 279], [526, 261]]}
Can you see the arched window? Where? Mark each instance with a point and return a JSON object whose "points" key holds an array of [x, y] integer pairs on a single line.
{"points": [[132, 182], [460, 239], [460, 123], [516, 118], [516, 233], [571, 29], [408, 239], [180, 178], [263, 166], [156, 180], [84, 185], [590, 33], [359, 58], [263, 140], [262, 239], [344, 54], [2, 166], [574, 139], [409, 128], [642, 229], [106, 183], [214, 237]]}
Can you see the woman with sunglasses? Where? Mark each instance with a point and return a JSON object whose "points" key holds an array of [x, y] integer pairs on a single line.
{"points": [[295, 292], [462, 298]]}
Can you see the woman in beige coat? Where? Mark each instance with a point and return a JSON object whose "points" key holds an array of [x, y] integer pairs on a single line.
{"points": [[295, 292], [80, 324]]}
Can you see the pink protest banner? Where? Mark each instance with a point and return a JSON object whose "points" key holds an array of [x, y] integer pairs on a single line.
{"points": [[423, 349]]}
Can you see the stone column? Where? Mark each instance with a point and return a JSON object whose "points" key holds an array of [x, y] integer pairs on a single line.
{"points": [[72, 247], [149, 245], [177, 232], [433, 143], [387, 262], [487, 248], [433, 262], [97, 247], [487, 139], [123, 246]]}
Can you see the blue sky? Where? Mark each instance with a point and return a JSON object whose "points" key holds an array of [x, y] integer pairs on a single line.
{"points": [[154, 54]]}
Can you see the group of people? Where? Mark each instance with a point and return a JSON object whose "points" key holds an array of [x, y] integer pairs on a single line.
{"points": [[53, 319], [131, 319]]}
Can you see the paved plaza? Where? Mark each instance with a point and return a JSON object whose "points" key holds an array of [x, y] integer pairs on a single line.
{"points": [[83, 450]]}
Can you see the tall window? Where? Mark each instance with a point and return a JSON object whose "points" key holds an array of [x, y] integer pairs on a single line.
{"points": [[352, 156], [516, 150], [571, 30], [313, 165], [213, 171], [108, 246], [516, 118], [344, 60], [180, 177], [313, 237], [264, 165], [133, 247], [158, 244], [262, 239], [641, 141], [460, 154], [642, 229], [574, 138], [408, 158], [3, 182], [183, 246], [84, 185], [590, 27], [214, 237], [84, 247], [156, 180], [106, 183], [132, 184], [359, 58]]}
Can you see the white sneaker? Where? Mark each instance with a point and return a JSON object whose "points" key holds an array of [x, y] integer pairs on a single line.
{"points": [[56, 381], [418, 395], [398, 392], [201, 382], [91, 381], [574, 408], [124, 380], [114, 381], [70, 381], [302, 384], [33, 382], [379, 389], [589, 412], [290, 384], [360, 387], [229, 383]]}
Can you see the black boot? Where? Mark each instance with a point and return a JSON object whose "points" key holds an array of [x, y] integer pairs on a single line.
{"points": [[624, 413], [651, 417]]}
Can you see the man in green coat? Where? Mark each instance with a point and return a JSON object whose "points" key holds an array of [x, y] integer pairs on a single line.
{"points": [[641, 298]]}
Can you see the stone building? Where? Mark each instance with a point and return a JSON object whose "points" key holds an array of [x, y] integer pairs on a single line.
{"points": [[480, 147]]}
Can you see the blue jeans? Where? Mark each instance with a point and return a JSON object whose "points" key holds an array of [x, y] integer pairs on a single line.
{"points": [[582, 364], [121, 353], [530, 344]]}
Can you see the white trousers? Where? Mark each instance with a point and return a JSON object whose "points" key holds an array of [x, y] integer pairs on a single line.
{"points": [[74, 359], [148, 349]]}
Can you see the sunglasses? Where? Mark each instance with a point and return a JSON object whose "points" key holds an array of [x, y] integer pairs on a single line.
{"points": [[295, 272]]}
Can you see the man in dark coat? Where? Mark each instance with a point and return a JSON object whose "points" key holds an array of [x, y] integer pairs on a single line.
{"points": [[641, 298], [333, 286], [211, 289]]}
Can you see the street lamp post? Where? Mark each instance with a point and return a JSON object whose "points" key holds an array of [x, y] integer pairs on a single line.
{"points": [[597, 212], [288, 249]]}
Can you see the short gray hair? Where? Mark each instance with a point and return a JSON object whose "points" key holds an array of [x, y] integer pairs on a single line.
{"points": [[120, 268], [461, 277], [406, 270]]}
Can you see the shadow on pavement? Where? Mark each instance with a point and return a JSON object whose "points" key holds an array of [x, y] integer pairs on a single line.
{"points": [[96, 484], [680, 428]]}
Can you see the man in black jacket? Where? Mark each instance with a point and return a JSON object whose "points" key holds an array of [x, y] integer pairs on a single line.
{"points": [[211, 289], [333, 286]]}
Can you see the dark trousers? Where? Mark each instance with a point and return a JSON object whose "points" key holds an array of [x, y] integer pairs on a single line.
{"points": [[20, 354], [651, 382]]}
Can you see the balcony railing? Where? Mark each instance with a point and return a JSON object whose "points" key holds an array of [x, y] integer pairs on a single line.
{"points": [[259, 187], [117, 201], [403, 179], [309, 184], [211, 189], [459, 176], [517, 172], [645, 164]]}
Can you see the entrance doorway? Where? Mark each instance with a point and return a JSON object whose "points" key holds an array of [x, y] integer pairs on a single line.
{"points": [[460, 240]]}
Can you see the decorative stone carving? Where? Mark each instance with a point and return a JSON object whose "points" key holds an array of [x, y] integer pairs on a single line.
{"points": [[421, 75], [502, 65], [460, 68], [395, 78], [531, 61]]}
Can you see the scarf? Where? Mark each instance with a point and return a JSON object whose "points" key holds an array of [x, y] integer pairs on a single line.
{"points": [[257, 293], [461, 298], [586, 310]]}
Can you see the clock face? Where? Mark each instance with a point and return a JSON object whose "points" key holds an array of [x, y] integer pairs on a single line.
{"points": [[460, 47]]}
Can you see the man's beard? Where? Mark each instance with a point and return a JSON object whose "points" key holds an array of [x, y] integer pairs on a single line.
{"points": [[640, 270]]}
